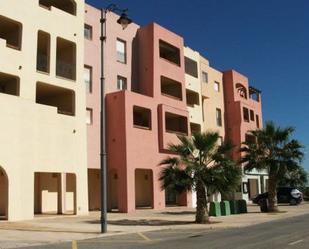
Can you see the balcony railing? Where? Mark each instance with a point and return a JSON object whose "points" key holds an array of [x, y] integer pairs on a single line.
{"points": [[65, 70]]}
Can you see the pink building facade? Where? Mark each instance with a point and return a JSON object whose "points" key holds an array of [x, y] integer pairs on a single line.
{"points": [[146, 109], [243, 112]]}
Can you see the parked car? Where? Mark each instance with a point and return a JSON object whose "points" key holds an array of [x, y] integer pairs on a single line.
{"points": [[284, 195]]}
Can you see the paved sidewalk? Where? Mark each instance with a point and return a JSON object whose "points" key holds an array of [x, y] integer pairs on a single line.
{"points": [[54, 229]]}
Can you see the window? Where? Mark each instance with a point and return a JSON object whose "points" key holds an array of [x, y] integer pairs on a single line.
{"points": [[121, 83], [217, 86], [169, 52], [141, 117], [205, 77], [68, 6], [246, 114], [171, 88], [176, 124], [11, 31], [61, 98], [195, 128], [257, 121], [88, 78], [241, 90], [251, 115], [250, 138], [191, 67], [219, 117], [43, 49], [9, 84], [66, 59], [121, 51], [192, 98], [88, 116], [88, 32]]}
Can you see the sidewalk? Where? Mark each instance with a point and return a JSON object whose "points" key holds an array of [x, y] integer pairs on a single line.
{"points": [[53, 229]]}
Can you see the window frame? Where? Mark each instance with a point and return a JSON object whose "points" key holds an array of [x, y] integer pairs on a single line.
{"points": [[119, 77], [125, 50], [219, 117], [91, 32], [91, 78], [216, 83]]}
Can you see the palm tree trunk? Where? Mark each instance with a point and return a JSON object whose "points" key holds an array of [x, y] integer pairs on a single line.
{"points": [[201, 216], [272, 193]]}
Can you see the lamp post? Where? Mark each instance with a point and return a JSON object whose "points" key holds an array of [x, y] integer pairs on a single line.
{"points": [[124, 21]]}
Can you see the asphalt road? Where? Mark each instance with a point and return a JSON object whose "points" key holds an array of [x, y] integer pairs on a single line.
{"points": [[291, 233]]}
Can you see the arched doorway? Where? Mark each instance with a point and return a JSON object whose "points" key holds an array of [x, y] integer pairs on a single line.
{"points": [[4, 195]]}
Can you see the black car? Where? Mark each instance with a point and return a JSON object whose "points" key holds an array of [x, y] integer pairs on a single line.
{"points": [[284, 195]]}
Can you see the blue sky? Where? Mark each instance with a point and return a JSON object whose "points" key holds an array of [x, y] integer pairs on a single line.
{"points": [[267, 40]]}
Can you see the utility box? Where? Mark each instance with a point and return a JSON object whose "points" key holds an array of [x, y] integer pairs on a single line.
{"points": [[242, 205], [225, 208], [215, 209]]}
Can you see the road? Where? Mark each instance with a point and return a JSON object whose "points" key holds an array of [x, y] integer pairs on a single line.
{"points": [[291, 233]]}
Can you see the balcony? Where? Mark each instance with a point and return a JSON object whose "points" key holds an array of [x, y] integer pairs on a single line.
{"points": [[169, 52], [11, 31], [192, 98], [191, 67], [141, 117], [195, 128], [43, 49], [66, 59], [176, 124], [171, 88], [9, 84], [254, 94], [68, 6], [62, 98]]}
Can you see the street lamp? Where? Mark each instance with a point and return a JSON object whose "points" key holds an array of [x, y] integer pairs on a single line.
{"points": [[124, 21]]}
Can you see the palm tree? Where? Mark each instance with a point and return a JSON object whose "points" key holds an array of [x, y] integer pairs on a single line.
{"points": [[272, 149], [202, 165]]}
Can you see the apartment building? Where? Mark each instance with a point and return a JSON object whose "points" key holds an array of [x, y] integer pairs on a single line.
{"points": [[243, 113], [43, 138]]}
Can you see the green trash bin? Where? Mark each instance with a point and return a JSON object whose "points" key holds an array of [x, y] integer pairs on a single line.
{"points": [[234, 207], [225, 208], [215, 209], [242, 205]]}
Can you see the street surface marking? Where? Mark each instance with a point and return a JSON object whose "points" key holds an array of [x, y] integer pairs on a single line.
{"points": [[144, 237], [296, 242], [74, 244]]}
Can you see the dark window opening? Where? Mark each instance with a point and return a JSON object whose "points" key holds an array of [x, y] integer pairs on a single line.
{"points": [[141, 117], [43, 51], [241, 90], [257, 121], [246, 114], [250, 138], [219, 117], [192, 98], [171, 88], [191, 67], [169, 52], [176, 124], [11, 31], [9, 84], [251, 115], [66, 59], [62, 98], [68, 6], [195, 128]]}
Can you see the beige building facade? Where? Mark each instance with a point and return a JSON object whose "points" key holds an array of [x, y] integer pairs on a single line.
{"points": [[42, 115]]}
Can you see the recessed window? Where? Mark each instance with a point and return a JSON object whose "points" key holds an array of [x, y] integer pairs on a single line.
{"points": [[141, 117], [88, 32], [66, 59], [192, 98], [246, 114], [217, 86], [169, 52], [191, 67], [121, 83], [171, 88], [219, 117], [68, 6], [61, 98], [257, 121], [9, 84], [195, 128], [43, 51], [121, 51], [176, 124], [204, 77], [250, 138], [88, 78], [251, 115], [11, 31], [88, 116], [241, 90]]}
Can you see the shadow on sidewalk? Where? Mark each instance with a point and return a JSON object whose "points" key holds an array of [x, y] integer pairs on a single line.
{"points": [[178, 213], [143, 222]]}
